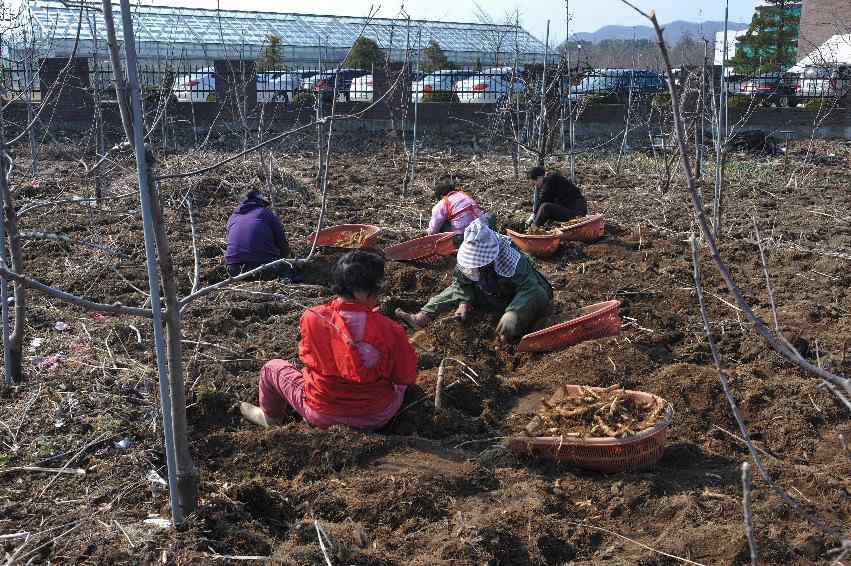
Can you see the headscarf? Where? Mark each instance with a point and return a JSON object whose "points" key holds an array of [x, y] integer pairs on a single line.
{"points": [[482, 246]]}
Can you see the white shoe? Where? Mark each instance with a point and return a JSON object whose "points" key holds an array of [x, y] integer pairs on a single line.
{"points": [[254, 414]]}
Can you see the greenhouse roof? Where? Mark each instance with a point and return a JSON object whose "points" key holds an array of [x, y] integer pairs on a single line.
{"points": [[172, 25]]}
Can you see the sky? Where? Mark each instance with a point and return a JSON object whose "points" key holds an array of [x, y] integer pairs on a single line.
{"points": [[586, 15]]}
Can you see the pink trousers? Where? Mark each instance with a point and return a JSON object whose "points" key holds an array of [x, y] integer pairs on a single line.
{"points": [[282, 384]]}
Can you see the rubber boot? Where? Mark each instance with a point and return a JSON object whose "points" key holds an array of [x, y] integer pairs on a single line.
{"points": [[415, 321], [254, 414]]}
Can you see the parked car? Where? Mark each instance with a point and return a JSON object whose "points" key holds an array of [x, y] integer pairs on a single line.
{"points": [[437, 82], [277, 86], [280, 86], [769, 89], [824, 82], [490, 86], [361, 89], [617, 83], [196, 87], [324, 82], [271, 87]]}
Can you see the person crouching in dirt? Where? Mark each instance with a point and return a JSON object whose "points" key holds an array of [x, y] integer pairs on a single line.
{"points": [[494, 275], [455, 210], [556, 198], [357, 362], [256, 237]]}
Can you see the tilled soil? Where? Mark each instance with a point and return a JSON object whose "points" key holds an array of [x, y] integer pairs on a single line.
{"points": [[436, 486]]}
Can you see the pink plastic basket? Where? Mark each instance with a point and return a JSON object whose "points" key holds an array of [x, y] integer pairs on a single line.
{"points": [[330, 236], [609, 455], [597, 321], [539, 245], [588, 231], [427, 248]]}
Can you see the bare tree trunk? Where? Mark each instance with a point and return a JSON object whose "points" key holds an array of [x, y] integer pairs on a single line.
{"points": [[117, 71], [4, 307], [16, 339], [186, 474], [625, 142], [411, 173], [182, 489], [721, 141], [542, 141]]}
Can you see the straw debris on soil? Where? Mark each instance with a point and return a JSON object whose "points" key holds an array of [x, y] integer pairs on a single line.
{"points": [[596, 413], [435, 486]]}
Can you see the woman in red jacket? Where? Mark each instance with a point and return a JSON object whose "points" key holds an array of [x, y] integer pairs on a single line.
{"points": [[357, 362]]}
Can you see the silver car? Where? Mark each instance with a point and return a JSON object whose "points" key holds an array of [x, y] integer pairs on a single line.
{"points": [[824, 82], [438, 82], [490, 86], [277, 86]]}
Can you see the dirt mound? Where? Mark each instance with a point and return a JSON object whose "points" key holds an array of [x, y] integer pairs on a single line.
{"points": [[436, 486]]}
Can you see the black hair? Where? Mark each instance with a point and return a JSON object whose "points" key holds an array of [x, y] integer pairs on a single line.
{"points": [[358, 270], [536, 173], [444, 186], [254, 194]]}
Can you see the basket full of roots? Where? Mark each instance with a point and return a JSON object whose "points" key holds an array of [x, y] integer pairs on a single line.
{"points": [[604, 429], [586, 229], [349, 236]]}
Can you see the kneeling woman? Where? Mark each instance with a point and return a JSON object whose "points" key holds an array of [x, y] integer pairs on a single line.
{"points": [[357, 362], [493, 275]]}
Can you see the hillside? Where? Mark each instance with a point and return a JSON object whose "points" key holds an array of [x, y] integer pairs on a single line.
{"points": [[674, 31]]}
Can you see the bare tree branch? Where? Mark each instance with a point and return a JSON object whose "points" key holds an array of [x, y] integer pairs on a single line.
{"points": [[748, 511], [115, 308], [777, 342], [40, 235]]}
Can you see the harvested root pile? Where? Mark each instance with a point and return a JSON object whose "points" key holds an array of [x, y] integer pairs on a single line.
{"points": [[603, 413], [556, 227], [353, 240]]}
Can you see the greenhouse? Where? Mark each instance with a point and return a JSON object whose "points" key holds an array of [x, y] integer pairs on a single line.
{"points": [[198, 36]]}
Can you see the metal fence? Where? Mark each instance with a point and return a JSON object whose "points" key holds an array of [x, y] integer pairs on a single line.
{"points": [[197, 83]]}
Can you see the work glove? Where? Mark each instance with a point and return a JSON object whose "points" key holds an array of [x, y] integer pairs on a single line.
{"points": [[529, 221], [507, 328]]}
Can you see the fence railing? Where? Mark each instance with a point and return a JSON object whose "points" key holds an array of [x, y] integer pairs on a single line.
{"points": [[196, 83]]}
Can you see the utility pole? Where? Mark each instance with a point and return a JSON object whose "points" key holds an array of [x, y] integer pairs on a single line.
{"points": [[721, 131], [570, 118]]}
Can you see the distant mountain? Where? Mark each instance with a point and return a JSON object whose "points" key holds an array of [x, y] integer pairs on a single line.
{"points": [[674, 31]]}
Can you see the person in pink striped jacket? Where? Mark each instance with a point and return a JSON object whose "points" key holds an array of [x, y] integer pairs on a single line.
{"points": [[455, 210]]}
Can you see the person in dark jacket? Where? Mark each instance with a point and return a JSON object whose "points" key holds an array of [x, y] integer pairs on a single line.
{"points": [[256, 237], [556, 198]]}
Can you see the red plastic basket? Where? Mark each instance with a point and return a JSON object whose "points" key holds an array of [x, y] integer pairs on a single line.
{"points": [[589, 230], [427, 248], [597, 321], [330, 236], [539, 245], [609, 455]]}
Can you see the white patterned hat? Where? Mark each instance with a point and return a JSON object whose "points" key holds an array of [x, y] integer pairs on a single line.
{"points": [[480, 246]]}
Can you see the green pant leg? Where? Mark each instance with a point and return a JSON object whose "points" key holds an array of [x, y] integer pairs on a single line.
{"points": [[462, 290], [537, 307], [533, 298]]}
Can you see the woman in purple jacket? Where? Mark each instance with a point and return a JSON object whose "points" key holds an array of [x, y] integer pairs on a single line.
{"points": [[256, 237]]}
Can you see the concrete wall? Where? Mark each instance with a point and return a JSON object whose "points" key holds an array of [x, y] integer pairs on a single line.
{"points": [[606, 121]]}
